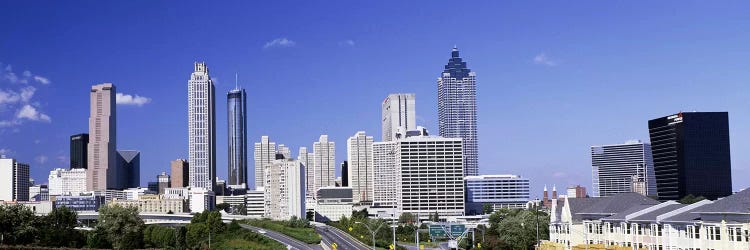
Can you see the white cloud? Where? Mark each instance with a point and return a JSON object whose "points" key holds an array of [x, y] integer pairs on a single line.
{"points": [[30, 113], [279, 42], [5, 151], [347, 43], [42, 80], [9, 97], [136, 100], [543, 59], [41, 159]]}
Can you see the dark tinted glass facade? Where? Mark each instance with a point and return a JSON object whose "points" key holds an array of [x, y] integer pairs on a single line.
{"points": [[237, 137], [691, 155], [345, 174], [79, 151]]}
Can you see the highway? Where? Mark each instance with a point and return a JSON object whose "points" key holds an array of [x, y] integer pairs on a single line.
{"points": [[289, 242], [343, 240]]}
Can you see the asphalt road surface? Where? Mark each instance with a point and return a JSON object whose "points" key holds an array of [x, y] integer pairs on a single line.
{"points": [[343, 241], [289, 242]]}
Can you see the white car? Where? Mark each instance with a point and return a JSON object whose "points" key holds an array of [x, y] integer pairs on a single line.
{"points": [[262, 231]]}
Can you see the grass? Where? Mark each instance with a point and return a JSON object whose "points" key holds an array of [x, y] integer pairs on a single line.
{"points": [[304, 234]]}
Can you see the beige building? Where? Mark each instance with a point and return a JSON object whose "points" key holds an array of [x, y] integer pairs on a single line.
{"points": [[102, 138], [360, 160], [324, 165], [284, 190], [265, 153], [155, 204], [179, 172]]}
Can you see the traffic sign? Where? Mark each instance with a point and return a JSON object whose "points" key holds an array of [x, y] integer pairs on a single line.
{"points": [[457, 230], [437, 231]]}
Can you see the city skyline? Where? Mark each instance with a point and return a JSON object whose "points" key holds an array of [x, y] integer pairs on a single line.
{"points": [[521, 84]]}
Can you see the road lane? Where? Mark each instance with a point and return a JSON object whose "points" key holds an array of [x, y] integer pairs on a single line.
{"points": [[342, 240], [283, 239]]}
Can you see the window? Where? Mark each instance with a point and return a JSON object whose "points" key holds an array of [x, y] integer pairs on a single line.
{"points": [[655, 230], [735, 233], [713, 233], [693, 233]]}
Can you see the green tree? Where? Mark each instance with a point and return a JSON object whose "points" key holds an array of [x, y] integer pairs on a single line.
{"points": [[360, 214], [58, 229], [690, 199], [407, 218], [97, 239], [18, 225], [487, 209], [222, 206], [197, 234], [434, 217], [123, 227], [517, 229], [181, 238], [239, 209]]}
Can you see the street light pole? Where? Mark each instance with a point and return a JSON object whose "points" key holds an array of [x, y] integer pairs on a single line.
{"points": [[371, 232]]}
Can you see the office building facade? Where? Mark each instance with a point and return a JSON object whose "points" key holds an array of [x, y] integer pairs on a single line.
{"points": [[179, 171], [691, 155], [498, 191], [432, 178], [67, 182], [623, 168], [324, 162], [457, 109], [333, 203], [102, 139], [129, 165], [399, 116], [39, 193], [284, 190], [201, 129], [164, 181], [79, 151], [265, 153], [306, 159], [386, 177], [360, 167], [14, 180], [237, 137]]}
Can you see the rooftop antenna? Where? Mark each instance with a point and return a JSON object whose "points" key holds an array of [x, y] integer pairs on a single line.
{"points": [[235, 81]]}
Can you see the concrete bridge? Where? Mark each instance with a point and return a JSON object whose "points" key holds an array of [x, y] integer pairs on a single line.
{"points": [[157, 218]]}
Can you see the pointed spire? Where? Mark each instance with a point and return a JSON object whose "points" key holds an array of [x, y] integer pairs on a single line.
{"points": [[545, 187], [455, 48], [236, 77]]}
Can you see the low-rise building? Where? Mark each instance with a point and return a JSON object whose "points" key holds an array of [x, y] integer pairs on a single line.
{"points": [[39, 193], [497, 191], [635, 221], [333, 203], [38, 207], [79, 203], [255, 203], [151, 203], [201, 200], [67, 182]]}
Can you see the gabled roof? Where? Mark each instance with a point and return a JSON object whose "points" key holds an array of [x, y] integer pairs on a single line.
{"points": [[617, 203], [738, 203], [685, 214], [621, 215], [651, 216], [579, 204]]}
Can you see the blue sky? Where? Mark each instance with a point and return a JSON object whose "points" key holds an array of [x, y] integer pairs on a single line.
{"points": [[553, 77]]}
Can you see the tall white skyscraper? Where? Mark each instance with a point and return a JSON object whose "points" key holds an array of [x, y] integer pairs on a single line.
{"points": [[386, 179], [457, 109], [284, 189], [432, 179], [265, 153], [201, 129], [306, 159], [324, 162], [360, 172], [399, 115], [285, 151], [623, 168], [102, 165], [14, 180]]}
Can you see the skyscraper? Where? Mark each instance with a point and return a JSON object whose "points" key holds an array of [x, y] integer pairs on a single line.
{"points": [[201, 129], [431, 182], [129, 165], [386, 177], [102, 167], [79, 151], [306, 159], [265, 153], [14, 180], [614, 167], [457, 109], [324, 163], [360, 167], [399, 116], [284, 190], [237, 139], [164, 181], [691, 155], [179, 173], [344, 174]]}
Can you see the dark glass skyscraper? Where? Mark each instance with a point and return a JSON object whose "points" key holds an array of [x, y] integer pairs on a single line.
{"points": [[237, 137], [457, 109], [79, 151], [129, 165], [691, 155]]}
